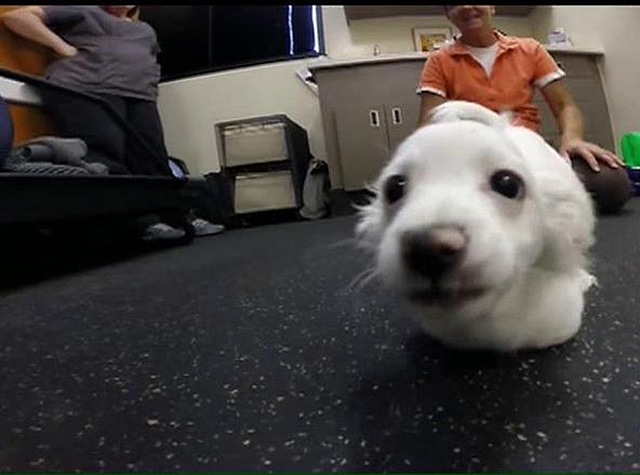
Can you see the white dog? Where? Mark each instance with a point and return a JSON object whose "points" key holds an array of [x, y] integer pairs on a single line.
{"points": [[485, 229]]}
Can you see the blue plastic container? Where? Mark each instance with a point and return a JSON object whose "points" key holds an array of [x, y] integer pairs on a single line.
{"points": [[634, 176]]}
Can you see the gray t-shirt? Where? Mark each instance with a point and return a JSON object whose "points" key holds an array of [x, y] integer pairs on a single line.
{"points": [[115, 56]]}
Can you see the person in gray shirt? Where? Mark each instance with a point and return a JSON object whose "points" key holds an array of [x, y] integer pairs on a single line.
{"points": [[103, 51]]}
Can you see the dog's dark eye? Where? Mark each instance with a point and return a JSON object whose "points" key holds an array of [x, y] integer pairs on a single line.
{"points": [[508, 184], [394, 188]]}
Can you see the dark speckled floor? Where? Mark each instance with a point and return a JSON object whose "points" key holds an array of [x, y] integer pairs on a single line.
{"points": [[250, 351]]}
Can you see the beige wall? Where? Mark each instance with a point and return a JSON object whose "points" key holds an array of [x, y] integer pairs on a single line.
{"points": [[393, 35], [616, 31], [190, 107]]}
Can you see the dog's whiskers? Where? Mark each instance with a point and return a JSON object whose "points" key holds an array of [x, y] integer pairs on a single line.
{"points": [[362, 279], [350, 242], [355, 243]]}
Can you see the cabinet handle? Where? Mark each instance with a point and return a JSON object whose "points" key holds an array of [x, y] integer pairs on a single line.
{"points": [[374, 118], [396, 116]]}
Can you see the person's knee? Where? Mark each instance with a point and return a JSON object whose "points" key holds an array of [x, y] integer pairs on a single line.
{"points": [[610, 188]]}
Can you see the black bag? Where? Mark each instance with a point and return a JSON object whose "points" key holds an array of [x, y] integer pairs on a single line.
{"points": [[315, 192]]}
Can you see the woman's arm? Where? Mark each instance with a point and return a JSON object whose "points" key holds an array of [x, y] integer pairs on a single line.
{"points": [[28, 22], [569, 120], [428, 102]]}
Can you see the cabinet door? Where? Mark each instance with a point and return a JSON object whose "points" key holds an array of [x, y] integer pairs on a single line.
{"points": [[346, 94], [363, 143], [402, 118]]}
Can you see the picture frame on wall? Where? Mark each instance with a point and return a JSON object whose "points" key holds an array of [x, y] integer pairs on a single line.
{"points": [[428, 39]]}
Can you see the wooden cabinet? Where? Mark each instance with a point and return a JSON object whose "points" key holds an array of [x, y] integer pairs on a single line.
{"points": [[369, 106], [367, 110], [368, 134]]}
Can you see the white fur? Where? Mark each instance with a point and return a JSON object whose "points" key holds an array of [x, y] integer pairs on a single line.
{"points": [[530, 255]]}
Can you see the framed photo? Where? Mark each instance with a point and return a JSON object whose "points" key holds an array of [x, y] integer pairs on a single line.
{"points": [[425, 39]]}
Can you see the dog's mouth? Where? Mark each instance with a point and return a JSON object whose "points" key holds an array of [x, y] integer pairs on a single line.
{"points": [[434, 295]]}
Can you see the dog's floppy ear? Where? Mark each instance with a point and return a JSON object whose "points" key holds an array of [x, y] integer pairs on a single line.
{"points": [[569, 221], [453, 111], [565, 205]]}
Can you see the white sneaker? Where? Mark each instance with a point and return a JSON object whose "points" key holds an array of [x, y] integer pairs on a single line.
{"points": [[162, 232], [205, 228]]}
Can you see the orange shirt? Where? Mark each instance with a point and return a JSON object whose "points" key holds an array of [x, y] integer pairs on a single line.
{"points": [[521, 65]]}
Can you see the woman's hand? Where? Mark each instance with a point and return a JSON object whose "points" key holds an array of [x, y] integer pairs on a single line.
{"points": [[67, 51], [591, 153]]}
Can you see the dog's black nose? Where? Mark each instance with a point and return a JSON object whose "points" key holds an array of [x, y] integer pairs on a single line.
{"points": [[434, 251]]}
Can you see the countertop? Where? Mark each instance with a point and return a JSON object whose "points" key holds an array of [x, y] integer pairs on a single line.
{"points": [[326, 62]]}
